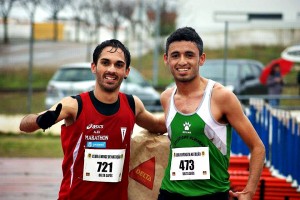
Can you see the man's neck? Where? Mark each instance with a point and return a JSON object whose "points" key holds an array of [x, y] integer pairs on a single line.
{"points": [[188, 88], [106, 97]]}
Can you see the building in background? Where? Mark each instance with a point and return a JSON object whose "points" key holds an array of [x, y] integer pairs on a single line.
{"points": [[256, 22]]}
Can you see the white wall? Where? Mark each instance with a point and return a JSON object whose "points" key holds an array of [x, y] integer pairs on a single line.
{"points": [[200, 14]]}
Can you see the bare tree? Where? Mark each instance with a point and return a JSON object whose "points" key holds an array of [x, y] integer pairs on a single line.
{"points": [[97, 13], [55, 6], [98, 10], [137, 17], [117, 12], [76, 8], [167, 21], [30, 7], [91, 14], [5, 7]]}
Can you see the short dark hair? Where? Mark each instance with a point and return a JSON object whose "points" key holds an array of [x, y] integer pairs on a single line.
{"points": [[185, 34], [114, 44]]}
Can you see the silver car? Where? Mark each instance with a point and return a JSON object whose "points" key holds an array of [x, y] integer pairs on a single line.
{"points": [[75, 78]]}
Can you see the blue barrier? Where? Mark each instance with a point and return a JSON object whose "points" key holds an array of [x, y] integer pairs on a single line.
{"points": [[296, 153], [280, 134]]}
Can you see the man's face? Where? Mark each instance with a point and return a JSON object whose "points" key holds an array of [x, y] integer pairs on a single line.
{"points": [[110, 69], [183, 60]]}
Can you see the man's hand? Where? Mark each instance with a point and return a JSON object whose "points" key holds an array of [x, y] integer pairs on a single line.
{"points": [[240, 195], [47, 119]]}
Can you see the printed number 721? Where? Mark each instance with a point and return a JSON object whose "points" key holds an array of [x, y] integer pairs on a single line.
{"points": [[104, 167]]}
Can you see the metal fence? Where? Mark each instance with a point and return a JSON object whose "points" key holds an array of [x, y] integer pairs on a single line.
{"points": [[280, 132]]}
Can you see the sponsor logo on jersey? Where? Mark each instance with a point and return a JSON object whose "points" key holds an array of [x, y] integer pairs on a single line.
{"points": [[98, 145], [186, 128], [94, 126]]}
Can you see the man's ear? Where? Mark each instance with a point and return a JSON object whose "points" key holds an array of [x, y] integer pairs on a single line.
{"points": [[127, 72], [165, 58], [93, 68], [202, 59]]}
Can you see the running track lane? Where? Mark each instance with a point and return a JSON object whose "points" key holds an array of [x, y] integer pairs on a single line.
{"points": [[30, 178]]}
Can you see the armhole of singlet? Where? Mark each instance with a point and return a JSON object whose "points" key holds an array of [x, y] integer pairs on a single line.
{"points": [[131, 102], [79, 101]]}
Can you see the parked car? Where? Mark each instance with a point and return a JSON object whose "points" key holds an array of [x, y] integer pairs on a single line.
{"points": [[242, 75], [75, 78]]}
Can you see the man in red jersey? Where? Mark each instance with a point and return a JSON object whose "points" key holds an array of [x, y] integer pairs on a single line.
{"points": [[97, 129]]}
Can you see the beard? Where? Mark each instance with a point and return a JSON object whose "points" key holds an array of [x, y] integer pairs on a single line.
{"points": [[109, 87], [184, 79]]}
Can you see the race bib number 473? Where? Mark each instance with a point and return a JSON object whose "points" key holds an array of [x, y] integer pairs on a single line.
{"points": [[190, 163], [103, 165]]}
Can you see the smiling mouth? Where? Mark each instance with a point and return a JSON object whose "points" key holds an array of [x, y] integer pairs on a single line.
{"points": [[182, 69], [110, 77]]}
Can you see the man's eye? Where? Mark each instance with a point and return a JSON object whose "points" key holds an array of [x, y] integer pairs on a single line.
{"points": [[174, 56], [119, 65], [189, 55], [105, 63]]}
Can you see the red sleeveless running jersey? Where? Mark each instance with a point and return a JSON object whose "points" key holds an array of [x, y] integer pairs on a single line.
{"points": [[92, 126]]}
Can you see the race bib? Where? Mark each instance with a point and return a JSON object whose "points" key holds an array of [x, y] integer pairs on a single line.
{"points": [[103, 165], [190, 163]]}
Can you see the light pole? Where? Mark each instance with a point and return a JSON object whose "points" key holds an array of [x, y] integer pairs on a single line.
{"points": [[227, 17], [156, 47], [239, 17]]}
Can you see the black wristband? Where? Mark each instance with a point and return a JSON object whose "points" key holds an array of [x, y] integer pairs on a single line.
{"points": [[47, 119]]}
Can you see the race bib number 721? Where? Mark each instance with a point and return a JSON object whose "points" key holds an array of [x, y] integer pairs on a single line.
{"points": [[103, 165]]}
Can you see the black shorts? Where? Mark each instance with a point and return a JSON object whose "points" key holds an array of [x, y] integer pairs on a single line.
{"points": [[165, 195]]}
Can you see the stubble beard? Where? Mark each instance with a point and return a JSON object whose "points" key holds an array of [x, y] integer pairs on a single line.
{"points": [[109, 87], [184, 79]]}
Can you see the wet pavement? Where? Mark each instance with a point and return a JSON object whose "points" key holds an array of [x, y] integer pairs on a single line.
{"points": [[45, 54], [30, 178], [53, 54]]}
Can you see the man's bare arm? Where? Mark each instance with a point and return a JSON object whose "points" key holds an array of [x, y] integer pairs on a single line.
{"points": [[28, 123], [45, 120], [246, 131], [66, 110], [153, 123]]}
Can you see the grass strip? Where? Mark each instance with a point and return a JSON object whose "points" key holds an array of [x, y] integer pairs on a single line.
{"points": [[30, 145]]}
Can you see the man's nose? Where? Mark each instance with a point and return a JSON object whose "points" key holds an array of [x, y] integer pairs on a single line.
{"points": [[182, 60], [112, 68]]}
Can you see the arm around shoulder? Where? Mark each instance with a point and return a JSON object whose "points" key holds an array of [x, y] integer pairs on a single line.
{"points": [[153, 123]]}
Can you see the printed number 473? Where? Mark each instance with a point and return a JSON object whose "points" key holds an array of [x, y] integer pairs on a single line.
{"points": [[186, 165]]}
